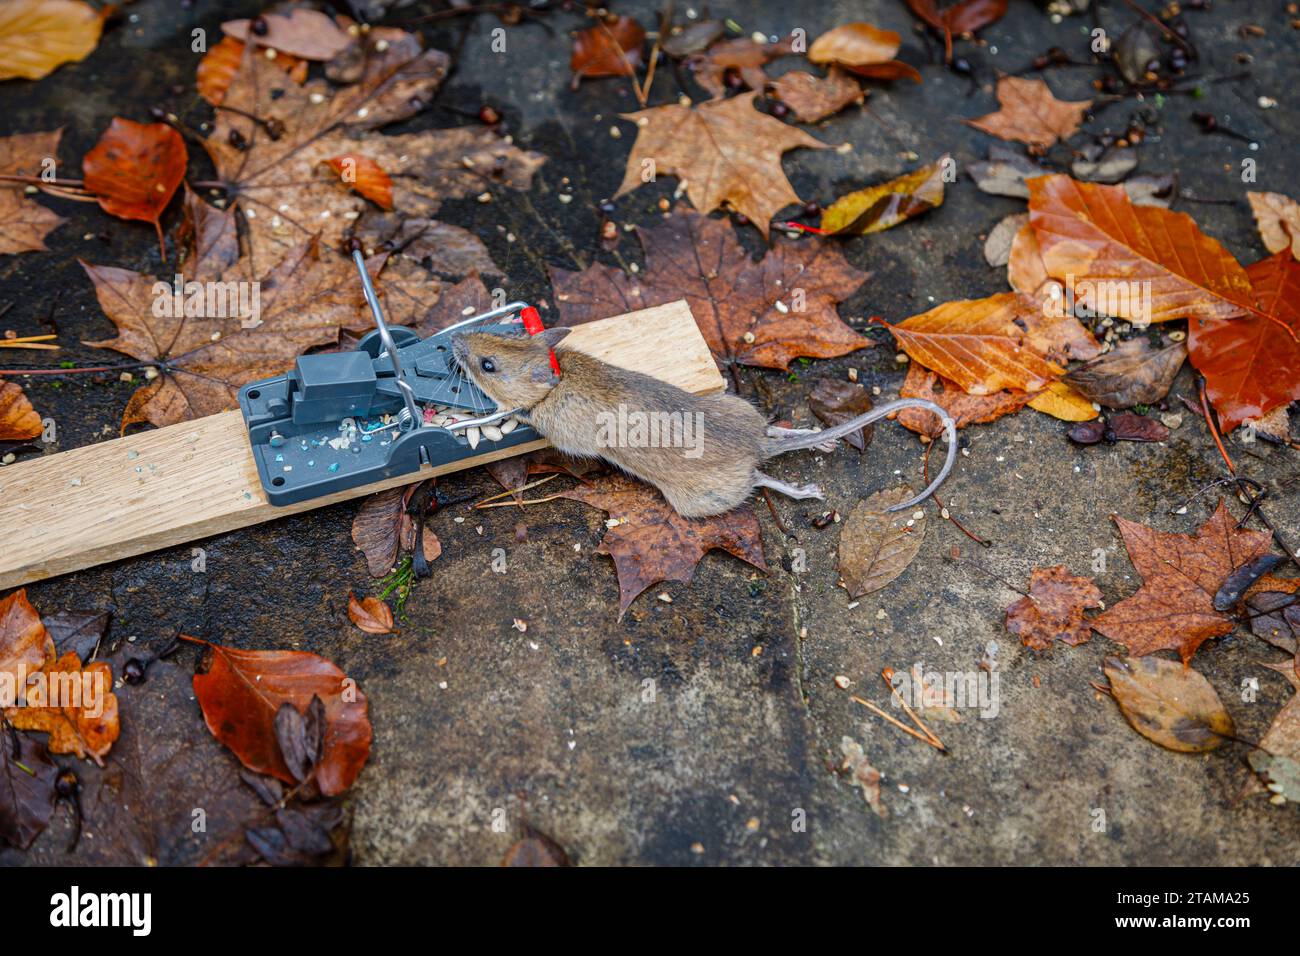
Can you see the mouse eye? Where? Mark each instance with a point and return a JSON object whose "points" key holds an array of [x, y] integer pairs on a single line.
{"points": [[487, 365]]}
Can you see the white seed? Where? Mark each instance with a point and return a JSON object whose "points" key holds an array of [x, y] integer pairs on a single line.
{"points": [[509, 425], [472, 435], [492, 433]]}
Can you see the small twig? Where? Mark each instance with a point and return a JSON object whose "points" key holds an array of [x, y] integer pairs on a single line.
{"points": [[895, 721], [771, 506], [887, 675], [515, 491], [520, 504]]}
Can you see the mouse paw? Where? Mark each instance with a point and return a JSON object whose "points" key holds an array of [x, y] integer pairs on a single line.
{"points": [[829, 446]]}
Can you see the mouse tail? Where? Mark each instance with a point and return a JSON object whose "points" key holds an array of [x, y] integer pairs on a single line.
{"points": [[780, 446]]}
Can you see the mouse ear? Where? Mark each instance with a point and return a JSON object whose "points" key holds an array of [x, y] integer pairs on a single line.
{"points": [[552, 337]]}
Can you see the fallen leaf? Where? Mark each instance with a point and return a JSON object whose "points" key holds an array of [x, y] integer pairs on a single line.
{"points": [[308, 34], [695, 37], [1169, 703], [997, 247], [1158, 263], [864, 776], [881, 207], [18, 420], [651, 542], [25, 645], [764, 313], [302, 303], [862, 49], [963, 407], [75, 705], [876, 545], [1061, 401], [1274, 614], [1278, 219], [79, 631], [1005, 172], [741, 55], [1027, 273], [37, 36], [1252, 364], [365, 176], [724, 151], [370, 615], [220, 64], [302, 835], [439, 247], [611, 48], [135, 169], [27, 777], [965, 16], [979, 344], [383, 529], [1174, 608], [834, 401], [1131, 374], [1282, 739], [1031, 114], [535, 849], [813, 98], [1053, 611], [241, 691], [1110, 167], [26, 223], [1126, 426]]}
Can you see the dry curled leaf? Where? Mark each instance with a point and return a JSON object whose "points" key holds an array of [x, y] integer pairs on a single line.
{"points": [[135, 169], [308, 34], [1131, 374], [1053, 610], [747, 311], [884, 206], [651, 542], [1169, 703], [834, 401], [25, 223], [964, 408], [241, 691], [611, 48], [18, 420], [726, 152], [813, 98], [370, 615], [1278, 219], [876, 545], [1031, 114], [37, 36], [1174, 608]]}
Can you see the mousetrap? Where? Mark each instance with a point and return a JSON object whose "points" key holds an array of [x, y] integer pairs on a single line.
{"points": [[169, 486], [394, 405]]}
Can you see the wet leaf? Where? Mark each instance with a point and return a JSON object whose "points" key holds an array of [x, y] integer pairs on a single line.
{"points": [[37, 36], [383, 529], [1252, 364], [747, 311], [241, 691], [862, 49], [1275, 612], [1110, 167], [1134, 50], [220, 64], [881, 207], [308, 34], [1126, 426], [27, 795], [611, 48], [371, 615], [1005, 172], [834, 401], [1159, 260], [1061, 401], [78, 631], [75, 705], [651, 542], [18, 420], [1031, 114], [1282, 739], [964, 408], [25, 645], [813, 98], [727, 152], [1053, 611], [692, 38], [365, 176], [1174, 608], [741, 55], [1132, 373], [1169, 703], [26, 223], [1278, 219], [876, 546], [135, 169], [536, 849], [997, 247]]}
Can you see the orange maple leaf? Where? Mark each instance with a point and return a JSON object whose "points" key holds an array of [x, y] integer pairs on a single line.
{"points": [[1031, 114]]}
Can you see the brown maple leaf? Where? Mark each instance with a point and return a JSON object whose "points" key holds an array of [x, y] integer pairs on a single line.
{"points": [[812, 98], [726, 151], [24, 224], [1174, 608], [763, 313], [205, 358], [651, 542], [1053, 610], [1031, 114]]}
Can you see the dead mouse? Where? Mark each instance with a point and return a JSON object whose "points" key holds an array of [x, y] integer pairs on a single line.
{"points": [[701, 451]]}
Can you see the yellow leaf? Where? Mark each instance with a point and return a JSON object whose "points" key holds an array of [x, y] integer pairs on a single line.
{"points": [[1063, 402], [880, 207], [36, 36]]}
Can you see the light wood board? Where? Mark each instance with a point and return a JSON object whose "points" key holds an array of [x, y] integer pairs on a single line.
{"points": [[156, 489]]}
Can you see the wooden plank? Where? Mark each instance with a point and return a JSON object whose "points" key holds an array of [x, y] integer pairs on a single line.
{"points": [[156, 489]]}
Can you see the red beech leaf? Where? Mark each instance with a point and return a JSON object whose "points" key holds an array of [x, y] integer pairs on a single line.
{"points": [[135, 169], [610, 48]]}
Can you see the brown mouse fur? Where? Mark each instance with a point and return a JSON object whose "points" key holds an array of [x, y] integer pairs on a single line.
{"points": [[706, 462]]}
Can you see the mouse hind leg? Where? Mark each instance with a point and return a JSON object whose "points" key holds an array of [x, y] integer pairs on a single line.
{"points": [[776, 431], [790, 491]]}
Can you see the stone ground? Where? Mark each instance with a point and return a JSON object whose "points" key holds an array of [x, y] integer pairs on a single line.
{"points": [[746, 723]]}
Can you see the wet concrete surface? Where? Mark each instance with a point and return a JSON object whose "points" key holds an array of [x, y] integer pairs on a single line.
{"points": [[706, 730]]}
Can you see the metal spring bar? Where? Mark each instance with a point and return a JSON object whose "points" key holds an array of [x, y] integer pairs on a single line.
{"points": [[416, 417]]}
